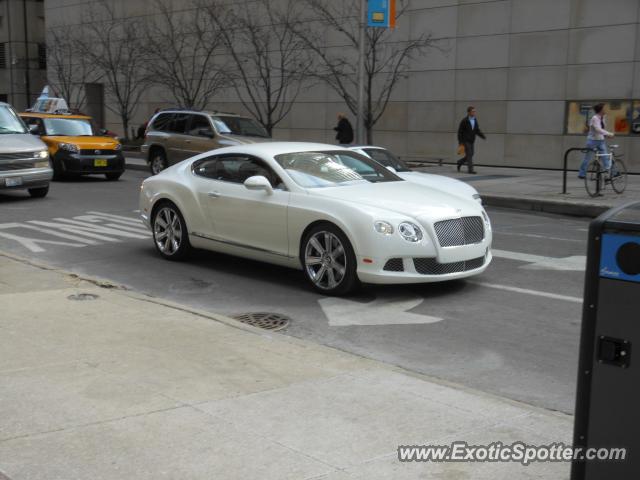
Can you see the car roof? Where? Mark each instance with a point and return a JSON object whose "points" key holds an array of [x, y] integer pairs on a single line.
{"points": [[54, 115], [353, 147], [278, 148], [202, 112]]}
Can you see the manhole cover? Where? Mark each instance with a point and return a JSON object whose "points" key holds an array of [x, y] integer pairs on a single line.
{"points": [[81, 296], [264, 320]]}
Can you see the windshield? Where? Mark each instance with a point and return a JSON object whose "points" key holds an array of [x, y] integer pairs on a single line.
{"points": [[69, 127], [10, 122], [239, 126], [333, 169], [387, 159]]}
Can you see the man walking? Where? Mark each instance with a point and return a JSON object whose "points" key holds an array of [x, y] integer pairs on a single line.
{"points": [[467, 132], [595, 140], [344, 129]]}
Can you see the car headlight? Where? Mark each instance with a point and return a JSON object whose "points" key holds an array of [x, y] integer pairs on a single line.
{"points": [[383, 227], [69, 147], [478, 198], [410, 232], [42, 154], [118, 147]]}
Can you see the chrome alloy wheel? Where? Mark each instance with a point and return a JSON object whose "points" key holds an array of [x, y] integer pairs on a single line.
{"points": [[157, 164], [167, 231], [325, 260]]}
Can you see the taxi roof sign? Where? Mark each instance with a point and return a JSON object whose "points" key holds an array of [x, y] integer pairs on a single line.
{"points": [[46, 104]]}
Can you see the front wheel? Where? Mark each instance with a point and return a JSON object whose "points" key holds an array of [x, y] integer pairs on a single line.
{"points": [[329, 261], [39, 192], [170, 232], [619, 176], [593, 179]]}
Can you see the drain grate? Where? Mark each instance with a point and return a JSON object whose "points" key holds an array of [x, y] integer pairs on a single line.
{"points": [[264, 320], [81, 297]]}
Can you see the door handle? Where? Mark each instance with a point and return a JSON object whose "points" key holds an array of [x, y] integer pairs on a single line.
{"points": [[214, 194]]}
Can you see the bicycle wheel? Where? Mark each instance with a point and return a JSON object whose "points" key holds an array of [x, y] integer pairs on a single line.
{"points": [[593, 179], [619, 176]]}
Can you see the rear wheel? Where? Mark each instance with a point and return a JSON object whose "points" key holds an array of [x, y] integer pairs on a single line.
{"points": [[329, 261], [170, 232], [113, 176], [39, 192], [593, 179], [619, 176], [158, 161]]}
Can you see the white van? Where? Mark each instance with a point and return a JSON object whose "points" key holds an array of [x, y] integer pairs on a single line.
{"points": [[24, 158]]}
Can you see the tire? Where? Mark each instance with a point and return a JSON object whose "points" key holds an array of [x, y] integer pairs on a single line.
{"points": [[58, 172], [158, 161], [113, 176], [619, 176], [333, 270], [39, 192], [593, 179], [170, 234]]}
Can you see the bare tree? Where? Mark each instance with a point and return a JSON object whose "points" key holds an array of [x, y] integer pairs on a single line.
{"points": [[68, 74], [181, 55], [268, 60], [386, 59], [114, 47]]}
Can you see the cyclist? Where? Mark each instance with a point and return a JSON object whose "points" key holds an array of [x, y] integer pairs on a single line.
{"points": [[595, 140]]}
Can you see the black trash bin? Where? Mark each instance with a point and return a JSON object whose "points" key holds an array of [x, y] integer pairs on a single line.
{"points": [[608, 394]]}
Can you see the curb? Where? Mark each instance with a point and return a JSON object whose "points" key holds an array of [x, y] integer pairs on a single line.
{"points": [[546, 206]]}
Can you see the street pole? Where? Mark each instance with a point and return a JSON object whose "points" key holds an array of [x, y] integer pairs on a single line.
{"points": [[360, 130]]}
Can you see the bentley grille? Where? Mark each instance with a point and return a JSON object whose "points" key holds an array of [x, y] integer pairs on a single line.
{"points": [[460, 231]]}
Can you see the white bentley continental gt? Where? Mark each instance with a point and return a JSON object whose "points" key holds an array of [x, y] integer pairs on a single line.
{"points": [[388, 159], [334, 213]]}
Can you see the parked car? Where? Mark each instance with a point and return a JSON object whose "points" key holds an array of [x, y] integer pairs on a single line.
{"points": [[76, 148], [336, 214], [175, 135], [388, 159], [24, 159]]}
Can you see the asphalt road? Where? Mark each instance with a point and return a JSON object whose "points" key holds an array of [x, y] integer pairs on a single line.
{"points": [[512, 331]]}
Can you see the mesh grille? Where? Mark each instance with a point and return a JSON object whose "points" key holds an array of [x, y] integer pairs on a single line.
{"points": [[460, 231], [430, 266], [7, 167], [99, 152], [394, 265]]}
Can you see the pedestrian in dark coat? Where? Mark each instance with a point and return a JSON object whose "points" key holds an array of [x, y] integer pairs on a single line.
{"points": [[467, 132], [344, 129]]}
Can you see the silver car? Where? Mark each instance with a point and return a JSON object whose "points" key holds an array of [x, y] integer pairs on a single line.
{"points": [[175, 135], [24, 158]]}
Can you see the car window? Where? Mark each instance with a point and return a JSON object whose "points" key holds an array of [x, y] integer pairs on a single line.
{"points": [[387, 159], [71, 127], [179, 123], [236, 169], [333, 169], [10, 122], [30, 121], [227, 125], [199, 123], [162, 121]]}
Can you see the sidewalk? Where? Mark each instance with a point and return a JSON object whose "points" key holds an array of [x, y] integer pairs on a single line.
{"points": [[522, 189], [125, 386]]}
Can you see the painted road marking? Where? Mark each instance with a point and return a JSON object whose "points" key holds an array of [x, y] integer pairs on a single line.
{"points": [[387, 311], [92, 228], [527, 291], [575, 263]]}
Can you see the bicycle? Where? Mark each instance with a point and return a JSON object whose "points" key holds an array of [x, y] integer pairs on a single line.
{"points": [[598, 177]]}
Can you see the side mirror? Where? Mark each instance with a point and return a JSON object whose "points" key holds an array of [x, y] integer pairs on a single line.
{"points": [[103, 131], [204, 132], [258, 182], [34, 129], [391, 169]]}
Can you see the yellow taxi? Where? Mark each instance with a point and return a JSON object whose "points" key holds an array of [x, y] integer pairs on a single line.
{"points": [[75, 147]]}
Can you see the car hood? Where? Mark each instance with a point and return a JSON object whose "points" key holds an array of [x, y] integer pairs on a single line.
{"points": [[84, 143], [19, 142], [405, 198], [439, 182]]}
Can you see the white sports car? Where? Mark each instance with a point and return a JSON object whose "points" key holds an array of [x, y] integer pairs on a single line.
{"points": [[336, 214], [388, 159]]}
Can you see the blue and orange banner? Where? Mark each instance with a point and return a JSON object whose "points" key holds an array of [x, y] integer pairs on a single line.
{"points": [[381, 13]]}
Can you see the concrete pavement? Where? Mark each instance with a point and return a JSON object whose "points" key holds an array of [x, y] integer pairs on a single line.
{"points": [[129, 386]]}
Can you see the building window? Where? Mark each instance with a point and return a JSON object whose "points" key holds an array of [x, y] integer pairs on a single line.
{"points": [[3, 55], [42, 56]]}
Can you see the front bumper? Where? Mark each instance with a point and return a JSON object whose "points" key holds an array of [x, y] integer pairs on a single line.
{"points": [[86, 164], [28, 178]]}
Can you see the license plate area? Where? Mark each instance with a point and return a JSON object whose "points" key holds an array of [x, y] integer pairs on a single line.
{"points": [[99, 162], [13, 182]]}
